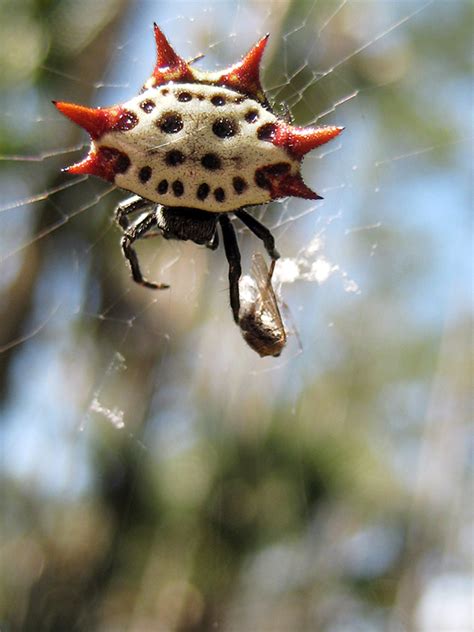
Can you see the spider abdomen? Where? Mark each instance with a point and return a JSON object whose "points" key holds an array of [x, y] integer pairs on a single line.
{"points": [[199, 146], [204, 140]]}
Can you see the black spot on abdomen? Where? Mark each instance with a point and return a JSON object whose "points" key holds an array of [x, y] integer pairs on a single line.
{"points": [[147, 106], [178, 188], [261, 180], [171, 123], [251, 116], [266, 132], [239, 184], [264, 175], [174, 157], [225, 127], [144, 174], [211, 162], [218, 100], [127, 120], [184, 96], [162, 187], [203, 191], [219, 194]]}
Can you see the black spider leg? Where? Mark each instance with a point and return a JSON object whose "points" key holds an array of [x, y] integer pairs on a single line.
{"points": [[233, 257], [263, 233], [130, 205], [134, 232]]}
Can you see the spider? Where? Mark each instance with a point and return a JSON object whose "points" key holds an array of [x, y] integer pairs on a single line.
{"points": [[195, 147]]}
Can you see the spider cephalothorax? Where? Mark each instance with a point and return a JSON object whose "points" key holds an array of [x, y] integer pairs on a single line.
{"points": [[194, 146]]}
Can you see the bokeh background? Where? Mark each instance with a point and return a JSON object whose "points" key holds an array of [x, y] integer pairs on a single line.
{"points": [[156, 473]]}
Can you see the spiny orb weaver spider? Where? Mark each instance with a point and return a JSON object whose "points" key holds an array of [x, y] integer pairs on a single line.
{"points": [[195, 147]]}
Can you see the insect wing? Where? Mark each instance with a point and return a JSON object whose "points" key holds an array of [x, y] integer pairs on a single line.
{"points": [[260, 321], [269, 303]]}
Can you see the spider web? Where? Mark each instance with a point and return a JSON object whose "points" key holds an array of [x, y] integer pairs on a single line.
{"points": [[90, 359]]}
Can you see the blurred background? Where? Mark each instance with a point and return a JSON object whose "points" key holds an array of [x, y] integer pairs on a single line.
{"points": [[156, 473]]}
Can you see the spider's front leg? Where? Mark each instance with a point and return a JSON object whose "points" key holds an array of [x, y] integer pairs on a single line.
{"points": [[128, 206], [131, 234]]}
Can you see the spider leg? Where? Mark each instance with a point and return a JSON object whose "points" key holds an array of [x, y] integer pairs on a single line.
{"points": [[214, 243], [233, 257], [134, 232], [263, 233], [130, 205]]}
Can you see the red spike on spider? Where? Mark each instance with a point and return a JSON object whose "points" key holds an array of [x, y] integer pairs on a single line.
{"points": [[300, 140], [89, 166], [280, 182], [96, 121], [245, 75], [293, 185], [104, 162], [169, 65]]}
